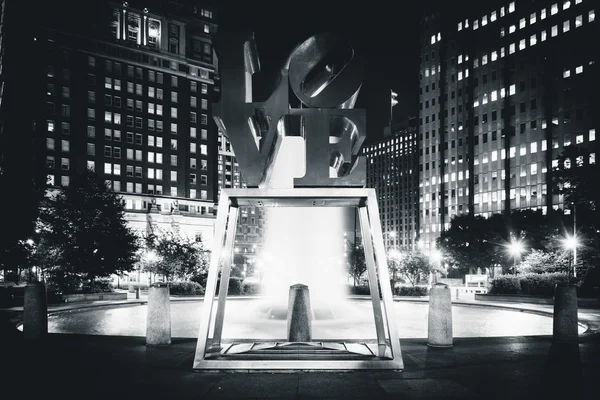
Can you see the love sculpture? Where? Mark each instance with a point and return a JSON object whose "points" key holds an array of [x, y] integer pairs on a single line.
{"points": [[324, 74]]}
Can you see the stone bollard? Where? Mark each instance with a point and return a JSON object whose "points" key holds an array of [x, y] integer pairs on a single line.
{"points": [[565, 328], [137, 293], [299, 314], [35, 311], [439, 333], [158, 325], [130, 288]]}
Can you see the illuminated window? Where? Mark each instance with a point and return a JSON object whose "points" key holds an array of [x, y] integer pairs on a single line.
{"points": [[494, 96], [543, 36], [533, 40], [512, 28], [579, 69], [532, 19], [484, 20], [554, 30], [591, 16], [512, 89], [543, 14], [566, 4], [494, 56], [592, 136], [522, 23], [592, 158], [460, 26], [502, 52], [493, 16], [566, 26], [554, 9], [533, 147], [433, 39], [578, 21], [522, 44], [579, 139], [511, 7], [476, 24], [566, 73]]}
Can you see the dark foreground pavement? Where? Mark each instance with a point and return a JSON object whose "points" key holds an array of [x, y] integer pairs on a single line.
{"points": [[108, 367]]}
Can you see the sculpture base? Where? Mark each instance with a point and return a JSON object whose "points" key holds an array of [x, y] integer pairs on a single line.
{"points": [[241, 356]]}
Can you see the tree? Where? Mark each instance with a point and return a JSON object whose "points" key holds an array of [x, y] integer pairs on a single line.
{"points": [[177, 256], [539, 261], [85, 234], [474, 242], [413, 265], [356, 263]]}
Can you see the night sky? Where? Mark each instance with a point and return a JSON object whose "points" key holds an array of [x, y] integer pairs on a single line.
{"points": [[389, 35]]}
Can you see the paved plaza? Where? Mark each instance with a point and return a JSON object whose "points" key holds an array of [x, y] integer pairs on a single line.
{"points": [[90, 366]]}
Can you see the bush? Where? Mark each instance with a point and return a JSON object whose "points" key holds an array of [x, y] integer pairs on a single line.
{"points": [[141, 286], [236, 286], [185, 288], [505, 284], [359, 290], [542, 284], [250, 288], [528, 284], [411, 291], [101, 285]]}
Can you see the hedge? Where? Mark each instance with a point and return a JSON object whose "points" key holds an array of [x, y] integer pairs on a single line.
{"points": [[398, 291], [527, 284]]}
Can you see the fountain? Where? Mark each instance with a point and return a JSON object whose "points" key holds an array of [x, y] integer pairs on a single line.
{"points": [[302, 164]]}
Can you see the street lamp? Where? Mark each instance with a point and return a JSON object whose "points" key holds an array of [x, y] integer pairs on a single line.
{"points": [[571, 243], [516, 248]]}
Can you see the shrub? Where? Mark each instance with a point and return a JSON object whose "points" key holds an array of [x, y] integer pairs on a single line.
{"points": [[250, 288], [505, 284], [235, 285], [185, 288], [101, 285], [528, 284], [359, 290], [411, 291]]}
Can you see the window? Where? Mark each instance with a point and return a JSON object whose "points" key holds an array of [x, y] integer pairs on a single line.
{"points": [[65, 145], [91, 131], [174, 97], [592, 135], [566, 26], [193, 178], [66, 92], [533, 40], [204, 88], [579, 69], [173, 159], [204, 149], [522, 23], [173, 81], [173, 128], [532, 19], [578, 21], [173, 144], [193, 132], [173, 176], [554, 9], [204, 134], [554, 30], [204, 119], [91, 149], [192, 147], [173, 112], [591, 16], [193, 117]]}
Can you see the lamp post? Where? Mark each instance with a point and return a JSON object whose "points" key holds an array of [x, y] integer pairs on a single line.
{"points": [[515, 248], [571, 243]]}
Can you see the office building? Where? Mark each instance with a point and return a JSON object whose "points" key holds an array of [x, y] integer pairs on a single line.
{"points": [[393, 170], [128, 93], [503, 91]]}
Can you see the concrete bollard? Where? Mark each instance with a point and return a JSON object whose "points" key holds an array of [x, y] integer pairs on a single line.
{"points": [[137, 293], [565, 328], [299, 316], [130, 288], [439, 332], [35, 311], [158, 325]]}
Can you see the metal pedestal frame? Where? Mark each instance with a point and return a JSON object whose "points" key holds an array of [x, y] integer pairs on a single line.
{"points": [[389, 355]]}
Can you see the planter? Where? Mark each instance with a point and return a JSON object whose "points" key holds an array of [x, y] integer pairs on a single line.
{"points": [[69, 298]]}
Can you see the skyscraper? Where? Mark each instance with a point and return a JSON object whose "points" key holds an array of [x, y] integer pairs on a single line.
{"points": [[393, 170], [128, 94], [503, 92]]}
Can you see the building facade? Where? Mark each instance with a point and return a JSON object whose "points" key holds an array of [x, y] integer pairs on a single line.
{"points": [[393, 170], [251, 220], [502, 93], [132, 101]]}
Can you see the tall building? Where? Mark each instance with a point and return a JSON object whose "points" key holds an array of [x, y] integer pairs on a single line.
{"points": [[393, 170], [502, 92], [128, 93], [251, 220]]}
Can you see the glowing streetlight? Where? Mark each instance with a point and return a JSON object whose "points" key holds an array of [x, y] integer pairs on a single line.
{"points": [[571, 242], [516, 248]]}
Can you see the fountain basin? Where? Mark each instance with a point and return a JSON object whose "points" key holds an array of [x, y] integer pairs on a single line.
{"points": [[244, 319]]}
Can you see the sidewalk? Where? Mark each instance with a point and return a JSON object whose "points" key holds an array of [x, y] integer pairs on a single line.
{"points": [[78, 366]]}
